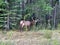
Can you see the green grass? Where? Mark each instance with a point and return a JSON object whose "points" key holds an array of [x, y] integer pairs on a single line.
{"points": [[46, 37], [55, 42], [6, 43], [48, 34]]}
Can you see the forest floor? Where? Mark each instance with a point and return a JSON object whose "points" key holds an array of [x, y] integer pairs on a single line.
{"points": [[42, 37]]}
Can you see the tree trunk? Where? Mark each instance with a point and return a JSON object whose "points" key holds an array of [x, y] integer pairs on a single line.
{"points": [[59, 3], [23, 8], [7, 28], [55, 16]]}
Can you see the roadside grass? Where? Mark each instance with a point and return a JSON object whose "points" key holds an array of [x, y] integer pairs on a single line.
{"points": [[10, 34], [6, 43], [55, 42], [47, 34]]}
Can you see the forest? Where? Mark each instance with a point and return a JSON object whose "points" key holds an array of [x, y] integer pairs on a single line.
{"points": [[46, 15]]}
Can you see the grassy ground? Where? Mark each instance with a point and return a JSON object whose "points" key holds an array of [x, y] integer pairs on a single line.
{"points": [[41, 37]]}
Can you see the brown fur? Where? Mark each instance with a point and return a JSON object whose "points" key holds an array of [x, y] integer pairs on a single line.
{"points": [[26, 24]]}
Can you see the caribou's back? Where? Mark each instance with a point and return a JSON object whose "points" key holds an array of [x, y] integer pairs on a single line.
{"points": [[25, 23]]}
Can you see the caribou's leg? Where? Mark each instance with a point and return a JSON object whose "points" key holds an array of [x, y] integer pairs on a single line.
{"points": [[21, 28], [28, 28]]}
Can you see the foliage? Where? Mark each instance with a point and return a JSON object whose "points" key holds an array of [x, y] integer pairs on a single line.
{"points": [[44, 7], [3, 13], [38, 7], [13, 8]]}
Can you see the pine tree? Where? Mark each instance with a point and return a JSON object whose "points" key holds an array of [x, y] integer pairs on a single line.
{"points": [[3, 14]]}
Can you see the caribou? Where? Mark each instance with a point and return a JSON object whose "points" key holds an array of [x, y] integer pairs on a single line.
{"points": [[27, 24]]}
